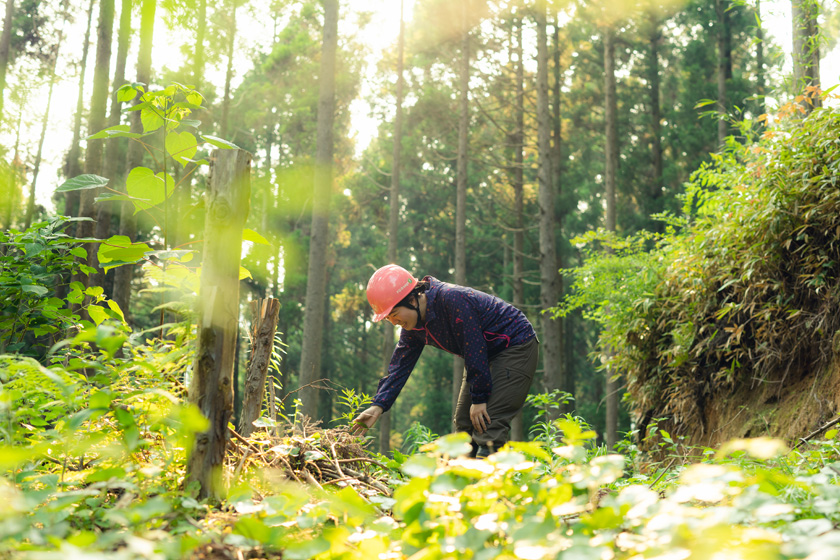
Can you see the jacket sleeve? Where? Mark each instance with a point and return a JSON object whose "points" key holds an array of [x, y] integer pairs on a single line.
{"points": [[403, 360], [463, 311]]}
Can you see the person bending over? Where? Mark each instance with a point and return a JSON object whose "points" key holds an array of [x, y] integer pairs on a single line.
{"points": [[497, 342]]}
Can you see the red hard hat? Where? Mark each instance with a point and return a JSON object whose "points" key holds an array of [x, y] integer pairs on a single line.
{"points": [[387, 287]]}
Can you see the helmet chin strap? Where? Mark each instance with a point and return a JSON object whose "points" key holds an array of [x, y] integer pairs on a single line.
{"points": [[416, 309]]}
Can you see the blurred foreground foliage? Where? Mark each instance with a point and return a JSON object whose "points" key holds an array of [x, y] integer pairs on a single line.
{"points": [[93, 464]]}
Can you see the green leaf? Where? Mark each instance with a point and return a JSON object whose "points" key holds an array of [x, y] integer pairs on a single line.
{"points": [[420, 466], [110, 197], [82, 182], [118, 131], [454, 445], [306, 549], [149, 189], [254, 237], [37, 290], [127, 93], [115, 307], [100, 399], [118, 250], [181, 146], [151, 118], [219, 143], [97, 314]]}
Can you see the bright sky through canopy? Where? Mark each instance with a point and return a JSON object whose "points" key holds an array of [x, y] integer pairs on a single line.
{"points": [[378, 35]]}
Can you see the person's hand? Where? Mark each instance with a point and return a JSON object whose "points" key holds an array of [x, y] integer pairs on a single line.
{"points": [[479, 417], [364, 421]]}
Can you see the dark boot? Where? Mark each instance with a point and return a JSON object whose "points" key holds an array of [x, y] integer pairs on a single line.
{"points": [[483, 452]]}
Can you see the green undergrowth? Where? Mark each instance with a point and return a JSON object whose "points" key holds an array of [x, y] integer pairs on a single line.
{"points": [[743, 287], [93, 467]]}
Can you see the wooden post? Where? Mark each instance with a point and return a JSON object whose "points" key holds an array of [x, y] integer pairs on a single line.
{"points": [[266, 312], [211, 387]]}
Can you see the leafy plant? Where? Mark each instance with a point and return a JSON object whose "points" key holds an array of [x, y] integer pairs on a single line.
{"points": [[352, 403], [416, 436], [35, 268], [171, 137]]}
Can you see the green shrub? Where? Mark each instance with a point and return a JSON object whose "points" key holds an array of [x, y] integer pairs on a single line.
{"points": [[745, 287]]}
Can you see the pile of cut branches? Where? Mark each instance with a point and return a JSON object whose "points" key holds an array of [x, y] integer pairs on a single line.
{"points": [[311, 455]]}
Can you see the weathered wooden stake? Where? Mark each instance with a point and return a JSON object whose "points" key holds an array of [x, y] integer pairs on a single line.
{"points": [[211, 387], [266, 312]]}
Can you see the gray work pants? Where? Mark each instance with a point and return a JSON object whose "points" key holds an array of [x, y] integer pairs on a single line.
{"points": [[512, 372]]}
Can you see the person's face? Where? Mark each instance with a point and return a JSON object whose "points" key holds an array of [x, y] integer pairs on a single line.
{"points": [[403, 317]]}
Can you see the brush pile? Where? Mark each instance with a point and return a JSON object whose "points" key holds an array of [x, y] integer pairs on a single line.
{"points": [[310, 455]]}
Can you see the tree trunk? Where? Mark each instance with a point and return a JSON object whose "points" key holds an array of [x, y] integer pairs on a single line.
{"points": [[549, 275], [610, 174], [806, 51], [5, 49], [566, 380], [760, 76], [517, 428], [114, 146], [229, 73], [656, 186], [128, 221], [211, 386], [96, 122], [313, 322], [73, 167], [200, 35], [393, 223], [461, 191], [263, 328], [722, 27]]}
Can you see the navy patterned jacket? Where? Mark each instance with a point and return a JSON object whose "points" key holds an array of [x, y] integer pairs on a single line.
{"points": [[466, 322]]}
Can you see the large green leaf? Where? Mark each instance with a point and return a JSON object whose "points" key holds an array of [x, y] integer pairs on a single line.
{"points": [[151, 118], [182, 146], [119, 250], [82, 182], [148, 188], [128, 92]]}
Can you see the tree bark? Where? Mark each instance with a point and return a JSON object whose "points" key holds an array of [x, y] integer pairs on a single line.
{"points": [[128, 221], [393, 223], [461, 190], [723, 55], [73, 166], [655, 205], [229, 72], [566, 380], [211, 385], [806, 51], [313, 322], [5, 49], [96, 122], [266, 312], [611, 172], [549, 276], [517, 428], [115, 146], [760, 76]]}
